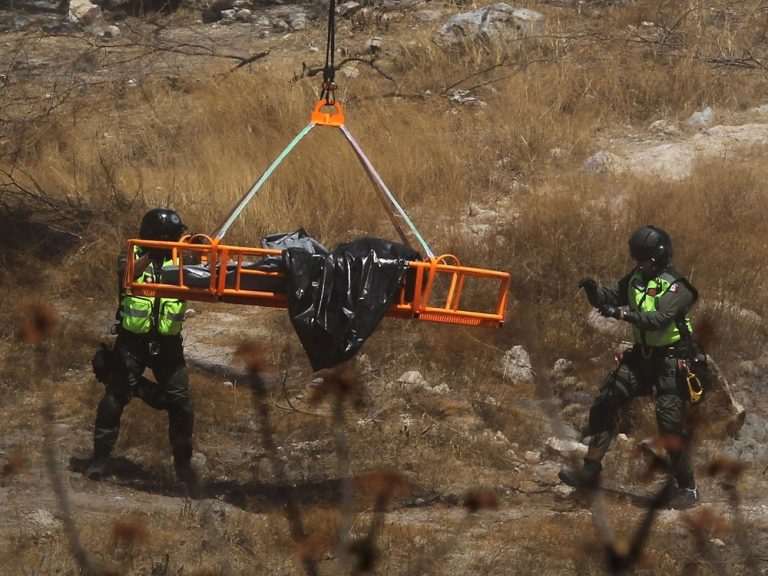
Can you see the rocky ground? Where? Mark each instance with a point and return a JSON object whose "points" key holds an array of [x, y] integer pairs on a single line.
{"points": [[238, 488]]}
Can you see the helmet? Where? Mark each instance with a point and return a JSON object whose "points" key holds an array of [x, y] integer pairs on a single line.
{"points": [[161, 224], [649, 243]]}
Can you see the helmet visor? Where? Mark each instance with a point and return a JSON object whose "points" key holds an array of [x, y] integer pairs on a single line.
{"points": [[641, 253]]}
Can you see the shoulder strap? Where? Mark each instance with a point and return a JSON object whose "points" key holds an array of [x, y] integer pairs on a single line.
{"points": [[674, 277]]}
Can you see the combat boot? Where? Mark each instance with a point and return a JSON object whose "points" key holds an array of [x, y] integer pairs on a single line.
{"points": [[588, 477], [685, 498], [98, 468], [186, 475]]}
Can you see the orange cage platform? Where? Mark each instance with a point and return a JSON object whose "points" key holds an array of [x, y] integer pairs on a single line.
{"points": [[436, 290]]}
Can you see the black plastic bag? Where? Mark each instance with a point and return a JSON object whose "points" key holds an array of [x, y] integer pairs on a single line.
{"points": [[336, 300], [285, 240]]}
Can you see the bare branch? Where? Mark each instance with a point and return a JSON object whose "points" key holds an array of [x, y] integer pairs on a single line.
{"points": [[314, 70]]}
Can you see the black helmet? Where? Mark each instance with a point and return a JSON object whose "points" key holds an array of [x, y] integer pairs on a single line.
{"points": [[161, 224], [649, 243]]}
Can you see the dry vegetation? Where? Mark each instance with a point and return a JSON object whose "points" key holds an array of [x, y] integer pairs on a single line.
{"points": [[85, 154]]}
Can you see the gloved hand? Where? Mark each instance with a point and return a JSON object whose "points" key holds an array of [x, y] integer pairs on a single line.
{"points": [[610, 311], [590, 289], [630, 316], [615, 312]]}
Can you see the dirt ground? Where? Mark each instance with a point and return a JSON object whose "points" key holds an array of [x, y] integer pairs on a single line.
{"points": [[141, 521]]}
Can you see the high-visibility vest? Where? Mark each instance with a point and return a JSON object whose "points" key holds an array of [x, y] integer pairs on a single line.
{"points": [[140, 314], [644, 296]]}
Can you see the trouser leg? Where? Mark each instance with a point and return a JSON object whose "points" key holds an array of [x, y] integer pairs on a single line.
{"points": [[171, 393], [125, 374], [598, 445], [181, 421], [180, 424], [173, 396], [617, 390], [671, 421], [107, 426]]}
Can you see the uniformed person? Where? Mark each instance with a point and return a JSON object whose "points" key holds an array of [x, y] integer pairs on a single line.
{"points": [[148, 336], [655, 298]]}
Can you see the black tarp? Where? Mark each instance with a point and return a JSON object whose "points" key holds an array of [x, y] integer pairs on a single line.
{"points": [[336, 300]]}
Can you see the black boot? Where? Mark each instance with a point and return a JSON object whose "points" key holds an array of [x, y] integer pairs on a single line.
{"points": [[186, 475], [588, 477], [99, 465], [685, 498]]}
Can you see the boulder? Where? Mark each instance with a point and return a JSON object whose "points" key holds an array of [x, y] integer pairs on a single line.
{"points": [[495, 23], [701, 118], [721, 415], [604, 163], [83, 12], [516, 365], [750, 445], [565, 447], [412, 379]]}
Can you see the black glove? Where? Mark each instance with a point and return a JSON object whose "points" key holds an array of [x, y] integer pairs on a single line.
{"points": [[610, 311], [615, 312], [590, 289], [631, 316]]}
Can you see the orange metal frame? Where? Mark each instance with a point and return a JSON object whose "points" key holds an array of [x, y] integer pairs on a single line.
{"points": [[432, 290]]}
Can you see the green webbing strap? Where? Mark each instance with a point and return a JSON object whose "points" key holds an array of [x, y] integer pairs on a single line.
{"points": [[383, 188], [240, 206]]}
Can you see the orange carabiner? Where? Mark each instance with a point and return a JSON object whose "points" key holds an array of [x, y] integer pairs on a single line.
{"points": [[695, 389], [327, 118]]}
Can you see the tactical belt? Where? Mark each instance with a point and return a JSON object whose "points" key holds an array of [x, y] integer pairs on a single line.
{"points": [[670, 351]]}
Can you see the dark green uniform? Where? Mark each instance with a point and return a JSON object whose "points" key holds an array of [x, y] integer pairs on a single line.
{"points": [[662, 336], [148, 337]]}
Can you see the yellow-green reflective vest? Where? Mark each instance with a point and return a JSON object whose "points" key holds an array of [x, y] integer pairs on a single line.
{"points": [[644, 297], [138, 314]]}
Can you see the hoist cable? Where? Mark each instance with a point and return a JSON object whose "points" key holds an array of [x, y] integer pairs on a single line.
{"points": [[329, 70], [222, 230]]}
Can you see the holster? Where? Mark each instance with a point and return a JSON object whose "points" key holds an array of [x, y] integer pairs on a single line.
{"points": [[101, 363]]}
